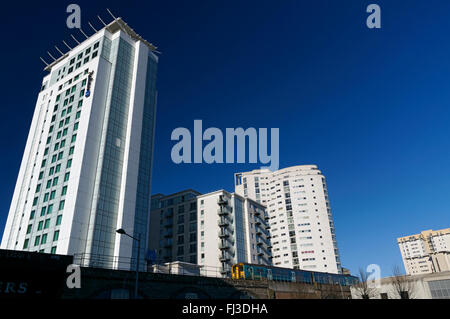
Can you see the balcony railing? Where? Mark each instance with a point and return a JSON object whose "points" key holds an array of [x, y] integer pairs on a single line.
{"points": [[222, 201], [225, 221], [168, 234], [223, 211], [225, 233]]}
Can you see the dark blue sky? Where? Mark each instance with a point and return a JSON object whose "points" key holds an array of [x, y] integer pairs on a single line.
{"points": [[369, 107]]}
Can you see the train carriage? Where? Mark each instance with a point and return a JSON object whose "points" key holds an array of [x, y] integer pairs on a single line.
{"points": [[258, 272]]}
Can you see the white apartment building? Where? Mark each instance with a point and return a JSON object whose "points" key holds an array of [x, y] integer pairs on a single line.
{"points": [[301, 224], [86, 168], [427, 252], [232, 229]]}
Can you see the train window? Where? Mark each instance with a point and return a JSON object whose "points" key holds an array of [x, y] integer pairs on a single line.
{"points": [[293, 277]]}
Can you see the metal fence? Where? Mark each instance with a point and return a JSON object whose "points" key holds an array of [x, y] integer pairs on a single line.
{"points": [[159, 266]]}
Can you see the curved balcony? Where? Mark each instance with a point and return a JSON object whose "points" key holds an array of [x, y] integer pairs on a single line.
{"points": [[223, 211], [222, 201], [224, 245], [223, 223], [223, 233], [224, 259], [168, 234]]}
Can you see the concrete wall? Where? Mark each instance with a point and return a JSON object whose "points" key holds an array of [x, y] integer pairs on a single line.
{"points": [[103, 283]]}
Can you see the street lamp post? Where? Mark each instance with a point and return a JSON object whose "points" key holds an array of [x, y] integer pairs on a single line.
{"points": [[121, 231]]}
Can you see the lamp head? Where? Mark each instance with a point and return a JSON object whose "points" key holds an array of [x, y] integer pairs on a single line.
{"points": [[121, 231]]}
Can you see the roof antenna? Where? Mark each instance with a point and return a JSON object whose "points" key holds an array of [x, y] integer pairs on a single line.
{"points": [[67, 45], [81, 30], [101, 21], [51, 56], [111, 14], [74, 39], [43, 61], [92, 27], [59, 50]]}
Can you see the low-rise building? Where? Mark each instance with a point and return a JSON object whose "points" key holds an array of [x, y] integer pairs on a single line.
{"points": [[426, 286]]}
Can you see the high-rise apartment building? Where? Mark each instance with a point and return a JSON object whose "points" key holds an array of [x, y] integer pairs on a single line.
{"points": [[301, 224], [173, 227], [427, 252], [86, 168], [232, 229]]}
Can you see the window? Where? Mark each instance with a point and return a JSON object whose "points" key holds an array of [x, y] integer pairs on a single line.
{"points": [[53, 251], [46, 151], [78, 115], [64, 191], [44, 239], [35, 200], [50, 209], [71, 150], [32, 214], [41, 223], [58, 220], [74, 138], [75, 126], [46, 197], [52, 195], [61, 205], [55, 181], [47, 223], [37, 240], [66, 177], [38, 188], [43, 210], [69, 163], [56, 235], [57, 168], [29, 229], [25, 244]]}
